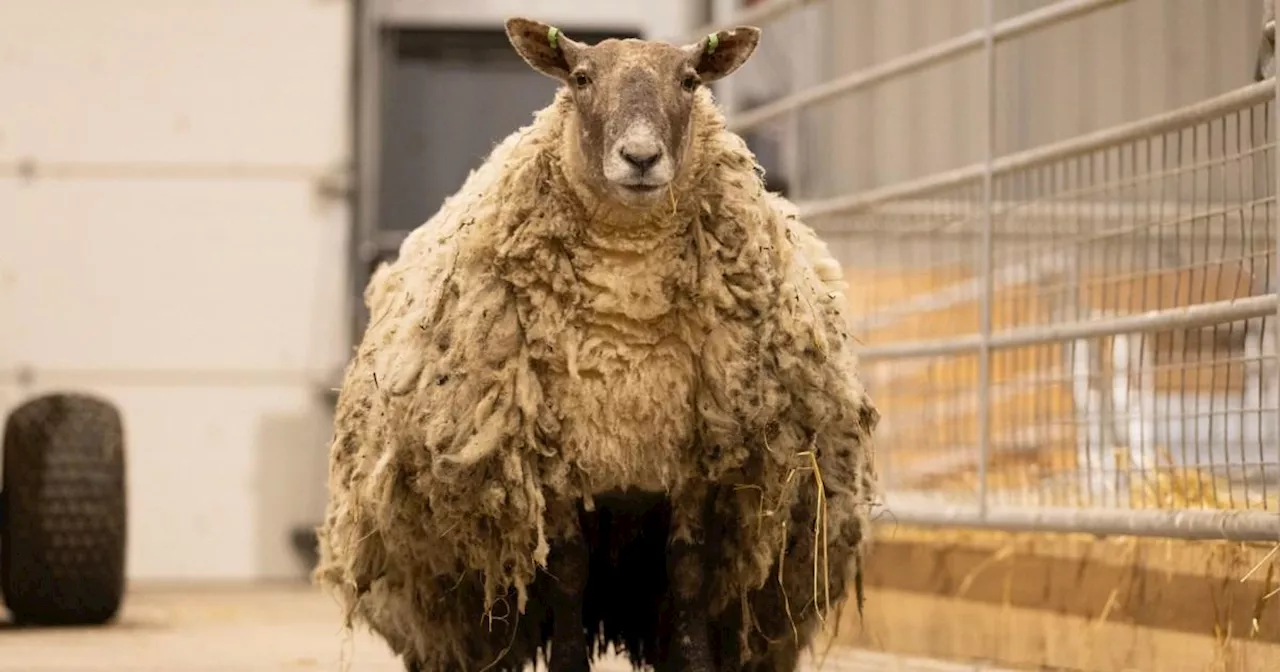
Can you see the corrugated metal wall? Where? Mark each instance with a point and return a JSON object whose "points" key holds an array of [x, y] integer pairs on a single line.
{"points": [[1119, 64]]}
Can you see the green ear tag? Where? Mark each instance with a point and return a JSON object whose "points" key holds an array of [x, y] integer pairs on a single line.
{"points": [[553, 36], [713, 40]]}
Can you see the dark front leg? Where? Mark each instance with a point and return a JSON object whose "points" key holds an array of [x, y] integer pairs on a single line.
{"points": [[568, 562], [690, 646], [690, 649]]}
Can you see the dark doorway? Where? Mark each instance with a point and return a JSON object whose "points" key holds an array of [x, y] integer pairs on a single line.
{"points": [[447, 98]]}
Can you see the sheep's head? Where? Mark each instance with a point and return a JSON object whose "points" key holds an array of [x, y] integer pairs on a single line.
{"points": [[633, 100]]}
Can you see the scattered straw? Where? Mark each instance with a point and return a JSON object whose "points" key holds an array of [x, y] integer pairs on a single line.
{"points": [[782, 588], [821, 564], [1001, 555], [503, 653], [1129, 559], [1255, 623], [1270, 554], [820, 537]]}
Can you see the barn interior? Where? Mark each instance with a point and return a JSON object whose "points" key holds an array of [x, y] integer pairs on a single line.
{"points": [[1057, 221]]}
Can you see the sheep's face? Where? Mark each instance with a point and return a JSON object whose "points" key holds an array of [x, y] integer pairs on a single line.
{"points": [[633, 100]]}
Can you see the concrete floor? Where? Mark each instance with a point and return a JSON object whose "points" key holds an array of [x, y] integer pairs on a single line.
{"points": [[170, 629], [277, 628]]}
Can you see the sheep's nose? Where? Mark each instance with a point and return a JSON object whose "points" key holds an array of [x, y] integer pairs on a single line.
{"points": [[642, 159]]}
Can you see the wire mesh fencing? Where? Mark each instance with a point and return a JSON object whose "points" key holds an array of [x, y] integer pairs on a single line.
{"points": [[1130, 362], [1078, 336]]}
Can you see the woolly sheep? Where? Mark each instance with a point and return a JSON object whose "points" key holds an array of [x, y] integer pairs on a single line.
{"points": [[606, 389]]}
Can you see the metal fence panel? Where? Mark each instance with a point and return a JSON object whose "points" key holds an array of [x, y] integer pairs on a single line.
{"points": [[1068, 324]]}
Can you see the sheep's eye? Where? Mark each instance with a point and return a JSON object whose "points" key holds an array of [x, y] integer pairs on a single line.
{"points": [[581, 79], [689, 83]]}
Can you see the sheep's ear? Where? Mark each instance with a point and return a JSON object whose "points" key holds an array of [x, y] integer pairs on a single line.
{"points": [[719, 54], [543, 47]]}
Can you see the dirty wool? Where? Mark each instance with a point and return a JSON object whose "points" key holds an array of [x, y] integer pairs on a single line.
{"points": [[524, 353]]}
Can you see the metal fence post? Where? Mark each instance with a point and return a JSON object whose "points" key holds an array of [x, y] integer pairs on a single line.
{"points": [[1275, 224], [985, 308]]}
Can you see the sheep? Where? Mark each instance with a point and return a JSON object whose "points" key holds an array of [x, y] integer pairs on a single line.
{"points": [[606, 395]]}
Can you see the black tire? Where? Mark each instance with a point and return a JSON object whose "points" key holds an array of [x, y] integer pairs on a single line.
{"points": [[63, 533]]}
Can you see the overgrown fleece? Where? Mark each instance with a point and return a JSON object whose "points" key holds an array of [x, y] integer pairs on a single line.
{"points": [[520, 352]]}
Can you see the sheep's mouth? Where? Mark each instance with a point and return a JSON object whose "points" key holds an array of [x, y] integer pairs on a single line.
{"points": [[642, 188]]}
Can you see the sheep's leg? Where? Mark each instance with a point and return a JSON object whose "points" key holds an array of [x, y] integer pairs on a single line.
{"points": [[568, 562], [690, 649], [690, 646]]}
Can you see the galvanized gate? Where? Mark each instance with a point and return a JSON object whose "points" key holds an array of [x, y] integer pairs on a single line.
{"points": [[1068, 327]]}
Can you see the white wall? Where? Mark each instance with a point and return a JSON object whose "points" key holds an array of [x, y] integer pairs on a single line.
{"points": [[171, 253]]}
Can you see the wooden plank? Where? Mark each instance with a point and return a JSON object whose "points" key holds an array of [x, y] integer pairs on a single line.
{"points": [[1065, 602]]}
